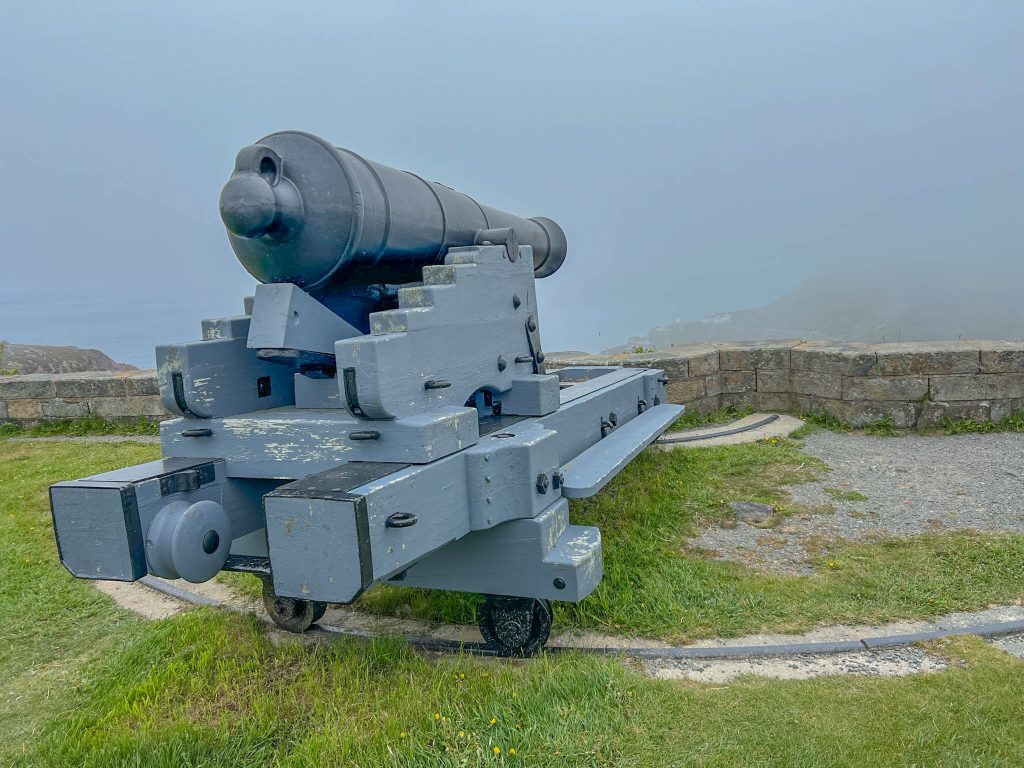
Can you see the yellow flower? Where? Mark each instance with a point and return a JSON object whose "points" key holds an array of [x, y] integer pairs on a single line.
{"points": [[462, 675], [833, 564], [518, 726], [437, 715], [462, 734], [401, 735], [494, 720], [514, 694], [511, 750], [496, 750]]}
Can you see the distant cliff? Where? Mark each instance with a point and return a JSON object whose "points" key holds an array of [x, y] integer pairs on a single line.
{"points": [[34, 358]]}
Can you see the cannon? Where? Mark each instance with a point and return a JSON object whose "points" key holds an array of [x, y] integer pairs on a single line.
{"points": [[381, 413]]}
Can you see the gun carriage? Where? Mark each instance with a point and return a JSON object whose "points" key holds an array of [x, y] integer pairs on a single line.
{"points": [[380, 413]]}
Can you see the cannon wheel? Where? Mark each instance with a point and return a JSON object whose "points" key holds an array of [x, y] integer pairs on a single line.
{"points": [[291, 613], [515, 626]]}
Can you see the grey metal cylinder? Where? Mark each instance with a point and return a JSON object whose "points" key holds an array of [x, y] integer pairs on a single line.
{"points": [[300, 210]]}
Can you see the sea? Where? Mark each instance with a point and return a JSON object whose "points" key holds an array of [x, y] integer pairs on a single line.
{"points": [[127, 329]]}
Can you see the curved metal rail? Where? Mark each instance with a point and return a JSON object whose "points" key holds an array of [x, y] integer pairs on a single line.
{"points": [[997, 629]]}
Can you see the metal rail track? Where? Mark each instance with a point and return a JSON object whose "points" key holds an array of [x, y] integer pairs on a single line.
{"points": [[997, 629]]}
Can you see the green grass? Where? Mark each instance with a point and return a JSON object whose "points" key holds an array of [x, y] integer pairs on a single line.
{"points": [[86, 683], [884, 427], [91, 425], [694, 419], [839, 494]]}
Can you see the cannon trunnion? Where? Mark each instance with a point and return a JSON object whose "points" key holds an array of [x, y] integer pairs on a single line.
{"points": [[381, 413]]}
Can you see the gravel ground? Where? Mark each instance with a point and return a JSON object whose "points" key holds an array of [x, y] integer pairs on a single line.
{"points": [[912, 484], [895, 662]]}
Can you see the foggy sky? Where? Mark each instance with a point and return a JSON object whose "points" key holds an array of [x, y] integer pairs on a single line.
{"points": [[700, 156]]}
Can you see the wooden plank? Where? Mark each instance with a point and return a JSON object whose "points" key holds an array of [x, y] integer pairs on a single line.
{"points": [[589, 472]]}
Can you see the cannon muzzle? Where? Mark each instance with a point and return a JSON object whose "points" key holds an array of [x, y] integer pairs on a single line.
{"points": [[300, 210]]}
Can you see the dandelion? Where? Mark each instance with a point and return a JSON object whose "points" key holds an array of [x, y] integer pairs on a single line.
{"points": [[494, 720], [496, 750], [512, 750], [462, 734], [401, 735], [462, 675], [437, 715], [833, 564]]}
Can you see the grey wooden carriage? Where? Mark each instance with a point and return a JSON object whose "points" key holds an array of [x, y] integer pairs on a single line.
{"points": [[380, 413]]}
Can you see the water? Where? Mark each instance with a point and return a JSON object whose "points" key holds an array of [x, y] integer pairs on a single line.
{"points": [[127, 329]]}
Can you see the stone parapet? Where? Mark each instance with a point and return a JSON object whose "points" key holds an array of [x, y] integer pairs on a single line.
{"points": [[112, 396], [910, 384]]}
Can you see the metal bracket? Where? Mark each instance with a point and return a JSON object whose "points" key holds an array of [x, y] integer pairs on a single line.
{"points": [[533, 339]]}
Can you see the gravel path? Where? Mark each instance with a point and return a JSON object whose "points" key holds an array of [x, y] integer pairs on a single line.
{"points": [[910, 485]]}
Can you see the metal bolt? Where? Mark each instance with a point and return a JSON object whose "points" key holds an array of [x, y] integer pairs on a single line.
{"points": [[559, 582], [531, 324], [516, 301], [542, 483], [502, 364]]}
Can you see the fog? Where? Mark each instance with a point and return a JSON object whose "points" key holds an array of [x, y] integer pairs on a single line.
{"points": [[701, 157]]}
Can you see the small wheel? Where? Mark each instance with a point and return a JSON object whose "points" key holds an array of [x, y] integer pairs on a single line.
{"points": [[291, 613], [515, 626]]}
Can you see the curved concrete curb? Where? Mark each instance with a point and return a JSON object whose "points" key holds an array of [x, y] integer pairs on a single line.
{"points": [[995, 629]]}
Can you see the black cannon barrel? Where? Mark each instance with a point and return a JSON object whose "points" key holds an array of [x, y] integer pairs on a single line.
{"points": [[300, 210]]}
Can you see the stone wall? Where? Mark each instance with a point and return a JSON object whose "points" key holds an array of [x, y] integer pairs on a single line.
{"points": [[912, 384], [40, 397]]}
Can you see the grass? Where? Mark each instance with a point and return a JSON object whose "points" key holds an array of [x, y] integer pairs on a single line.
{"points": [[884, 427], [695, 419], [840, 494], [86, 683], [90, 425]]}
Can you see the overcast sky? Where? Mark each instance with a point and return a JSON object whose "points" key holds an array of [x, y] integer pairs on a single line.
{"points": [[700, 156]]}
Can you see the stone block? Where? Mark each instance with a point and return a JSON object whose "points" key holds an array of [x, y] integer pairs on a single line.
{"points": [[705, 404], [3, 410], [713, 384], [113, 408], [885, 388], [64, 409], [755, 356], [860, 413], [926, 357], [773, 401], [935, 413], [1001, 356], [1001, 409], [773, 381], [703, 361], [738, 381], [817, 384], [738, 400], [825, 357], [33, 385], [977, 386], [89, 384], [686, 390], [25, 410], [144, 383]]}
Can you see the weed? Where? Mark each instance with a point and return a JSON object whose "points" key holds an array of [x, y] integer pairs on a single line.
{"points": [[842, 495]]}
